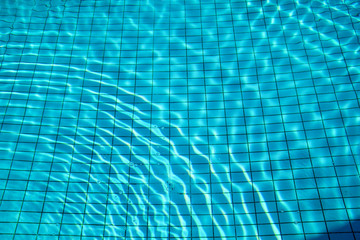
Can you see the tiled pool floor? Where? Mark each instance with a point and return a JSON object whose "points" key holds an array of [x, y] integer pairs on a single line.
{"points": [[210, 119]]}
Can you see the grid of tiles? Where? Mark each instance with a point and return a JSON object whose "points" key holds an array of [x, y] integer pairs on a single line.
{"points": [[210, 119]]}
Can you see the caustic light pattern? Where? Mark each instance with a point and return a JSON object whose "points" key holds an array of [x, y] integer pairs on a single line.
{"points": [[193, 119]]}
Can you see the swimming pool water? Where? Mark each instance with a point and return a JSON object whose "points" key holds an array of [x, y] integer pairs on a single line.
{"points": [[194, 119]]}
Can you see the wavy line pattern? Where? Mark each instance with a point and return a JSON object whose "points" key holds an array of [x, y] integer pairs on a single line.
{"points": [[229, 119]]}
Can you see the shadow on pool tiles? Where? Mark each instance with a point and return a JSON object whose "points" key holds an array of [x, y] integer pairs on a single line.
{"points": [[343, 232]]}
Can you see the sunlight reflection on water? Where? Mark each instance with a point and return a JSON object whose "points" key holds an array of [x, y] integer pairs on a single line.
{"points": [[181, 120]]}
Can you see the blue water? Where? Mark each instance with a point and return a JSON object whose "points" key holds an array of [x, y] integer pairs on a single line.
{"points": [[143, 119]]}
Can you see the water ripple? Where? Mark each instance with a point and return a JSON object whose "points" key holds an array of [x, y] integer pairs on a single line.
{"points": [[115, 159]]}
